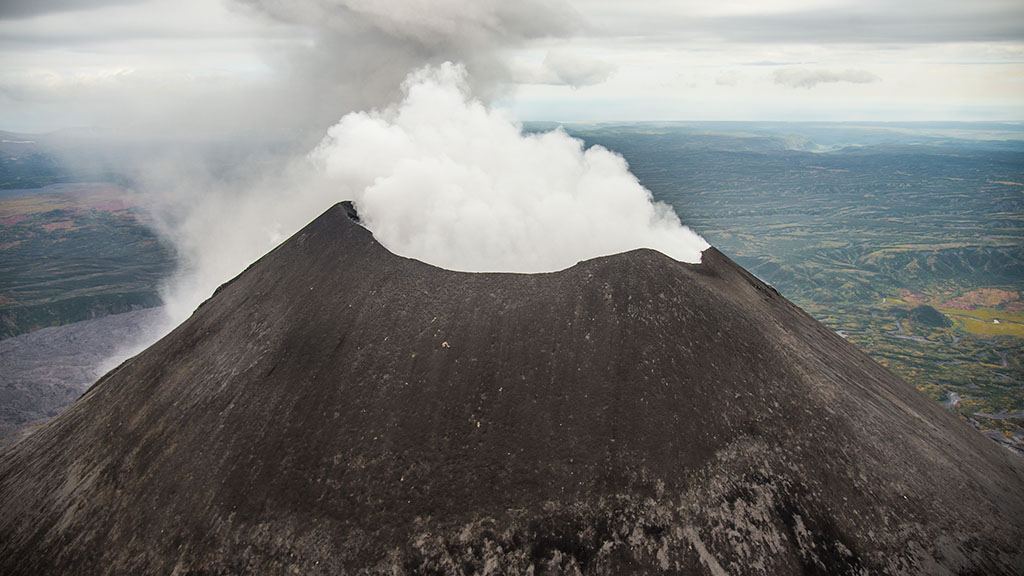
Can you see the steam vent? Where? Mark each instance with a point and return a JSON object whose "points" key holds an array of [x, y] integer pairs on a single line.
{"points": [[337, 409]]}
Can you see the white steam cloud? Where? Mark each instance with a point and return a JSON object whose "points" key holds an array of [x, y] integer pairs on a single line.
{"points": [[438, 176], [443, 179]]}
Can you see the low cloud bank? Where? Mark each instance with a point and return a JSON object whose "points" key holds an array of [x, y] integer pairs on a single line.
{"points": [[805, 78]]}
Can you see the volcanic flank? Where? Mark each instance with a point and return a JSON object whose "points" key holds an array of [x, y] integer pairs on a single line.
{"points": [[337, 409]]}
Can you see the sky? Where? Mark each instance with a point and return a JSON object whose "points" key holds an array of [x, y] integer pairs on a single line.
{"points": [[224, 66]]}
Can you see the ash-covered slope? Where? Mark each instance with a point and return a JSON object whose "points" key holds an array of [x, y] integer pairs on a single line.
{"points": [[338, 409]]}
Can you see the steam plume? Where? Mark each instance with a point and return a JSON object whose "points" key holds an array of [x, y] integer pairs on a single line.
{"points": [[443, 179], [438, 176], [361, 50]]}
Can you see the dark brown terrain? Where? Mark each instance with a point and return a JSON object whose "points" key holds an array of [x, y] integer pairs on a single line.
{"points": [[337, 409]]}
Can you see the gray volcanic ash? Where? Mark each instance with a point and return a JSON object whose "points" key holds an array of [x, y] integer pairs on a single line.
{"points": [[338, 409]]}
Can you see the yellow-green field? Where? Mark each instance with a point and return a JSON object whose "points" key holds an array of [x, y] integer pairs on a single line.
{"points": [[982, 321]]}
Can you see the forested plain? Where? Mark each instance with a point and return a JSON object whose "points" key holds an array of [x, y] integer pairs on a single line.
{"points": [[908, 240]]}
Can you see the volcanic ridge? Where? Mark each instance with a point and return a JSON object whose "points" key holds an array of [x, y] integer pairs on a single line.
{"points": [[338, 409]]}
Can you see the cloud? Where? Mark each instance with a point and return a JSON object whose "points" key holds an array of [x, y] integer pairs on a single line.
{"points": [[439, 177], [767, 63], [561, 66], [362, 49], [800, 22], [159, 69], [17, 9], [146, 105], [302, 64], [322, 59], [809, 78], [297, 65], [727, 79], [577, 69]]}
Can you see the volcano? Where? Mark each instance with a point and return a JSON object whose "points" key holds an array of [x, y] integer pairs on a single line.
{"points": [[338, 409]]}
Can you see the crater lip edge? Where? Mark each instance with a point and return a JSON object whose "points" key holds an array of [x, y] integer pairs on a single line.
{"points": [[350, 209]]}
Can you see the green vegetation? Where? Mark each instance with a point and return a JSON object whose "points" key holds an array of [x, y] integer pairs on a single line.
{"points": [[911, 247], [928, 316], [988, 322], [74, 252]]}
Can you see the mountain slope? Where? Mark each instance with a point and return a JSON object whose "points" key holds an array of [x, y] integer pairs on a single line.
{"points": [[339, 409]]}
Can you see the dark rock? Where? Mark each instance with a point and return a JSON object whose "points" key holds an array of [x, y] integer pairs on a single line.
{"points": [[350, 210], [44, 372], [925, 314], [337, 409]]}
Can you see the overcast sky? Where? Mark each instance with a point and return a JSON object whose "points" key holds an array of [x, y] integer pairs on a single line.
{"points": [[207, 65]]}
